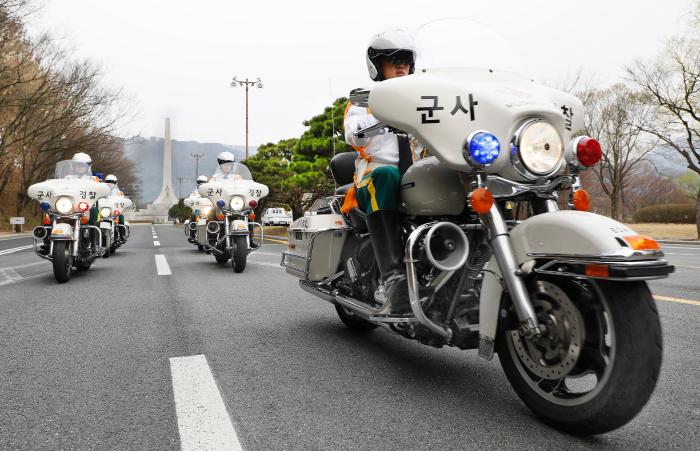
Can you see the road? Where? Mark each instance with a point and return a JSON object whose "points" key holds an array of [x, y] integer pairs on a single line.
{"points": [[121, 357]]}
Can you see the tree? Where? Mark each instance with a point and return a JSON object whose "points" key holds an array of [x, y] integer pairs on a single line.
{"points": [[689, 184], [672, 86], [617, 117], [180, 211]]}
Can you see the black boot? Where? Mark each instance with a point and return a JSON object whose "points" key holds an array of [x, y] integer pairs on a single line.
{"points": [[384, 231]]}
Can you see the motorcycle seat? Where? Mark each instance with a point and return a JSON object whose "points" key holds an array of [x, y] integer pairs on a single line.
{"points": [[343, 168], [358, 219], [343, 190]]}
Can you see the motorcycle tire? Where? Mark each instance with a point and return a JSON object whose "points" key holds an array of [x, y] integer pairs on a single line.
{"points": [[221, 258], [621, 349], [62, 261], [353, 322], [240, 253]]}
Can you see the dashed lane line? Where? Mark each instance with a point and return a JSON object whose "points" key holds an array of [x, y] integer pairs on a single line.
{"points": [[156, 243], [23, 278], [162, 266], [679, 300], [685, 266], [202, 419], [15, 249]]}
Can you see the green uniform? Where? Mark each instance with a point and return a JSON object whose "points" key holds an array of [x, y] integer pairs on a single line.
{"points": [[379, 190]]}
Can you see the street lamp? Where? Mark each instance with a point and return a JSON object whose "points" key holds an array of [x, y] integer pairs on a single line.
{"points": [[197, 156], [180, 180], [247, 83]]}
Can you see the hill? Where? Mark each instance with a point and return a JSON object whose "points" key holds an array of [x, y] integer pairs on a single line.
{"points": [[147, 155]]}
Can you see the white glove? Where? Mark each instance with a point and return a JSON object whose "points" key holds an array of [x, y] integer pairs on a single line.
{"points": [[369, 121]]}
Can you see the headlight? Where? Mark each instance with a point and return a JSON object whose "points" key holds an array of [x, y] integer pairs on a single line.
{"points": [[64, 205], [539, 147], [205, 211], [237, 203], [105, 212]]}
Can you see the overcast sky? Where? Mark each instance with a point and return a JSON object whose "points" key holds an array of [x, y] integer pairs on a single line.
{"points": [[176, 58]]}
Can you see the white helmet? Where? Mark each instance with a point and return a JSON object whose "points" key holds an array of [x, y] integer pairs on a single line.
{"points": [[395, 44], [201, 179], [82, 158], [111, 179], [225, 157]]}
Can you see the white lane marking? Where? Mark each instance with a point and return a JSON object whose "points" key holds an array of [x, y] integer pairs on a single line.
{"points": [[23, 278], [679, 300], [202, 419], [685, 266], [162, 265], [673, 253], [26, 265], [694, 248], [15, 249], [156, 243]]}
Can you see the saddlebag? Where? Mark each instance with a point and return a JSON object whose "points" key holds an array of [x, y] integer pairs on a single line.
{"points": [[315, 247]]}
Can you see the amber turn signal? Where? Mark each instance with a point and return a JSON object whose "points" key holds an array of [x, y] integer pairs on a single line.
{"points": [[642, 243], [596, 270], [220, 216], [582, 201], [83, 220], [251, 216], [46, 220], [481, 200]]}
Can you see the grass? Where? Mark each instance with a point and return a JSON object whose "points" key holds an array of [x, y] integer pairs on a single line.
{"points": [[667, 231], [275, 231]]}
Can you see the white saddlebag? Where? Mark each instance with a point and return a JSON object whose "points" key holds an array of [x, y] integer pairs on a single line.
{"points": [[315, 246]]}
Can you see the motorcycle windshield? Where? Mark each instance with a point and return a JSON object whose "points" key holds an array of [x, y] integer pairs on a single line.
{"points": [[232, 171], [72, 169], [464, 43]]}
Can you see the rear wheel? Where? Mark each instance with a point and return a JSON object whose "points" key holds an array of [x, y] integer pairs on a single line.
{"points": [[240, 253], [62, 261], [354, 322], [597, 364]]}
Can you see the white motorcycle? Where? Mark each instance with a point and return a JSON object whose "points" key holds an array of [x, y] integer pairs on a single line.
{"points": [[492, 263], [230, 227], [111, 208], [66, 238], [196, 229]]}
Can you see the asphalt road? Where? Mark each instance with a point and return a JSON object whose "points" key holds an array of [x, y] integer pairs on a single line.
{"points": [[98, 363]]}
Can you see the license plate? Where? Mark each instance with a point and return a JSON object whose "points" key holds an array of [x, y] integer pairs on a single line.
{"points": [[105, 225], [60, 229]]}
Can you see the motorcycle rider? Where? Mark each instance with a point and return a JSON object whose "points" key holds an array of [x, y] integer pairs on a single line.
{"points": [[112, 180], [382, 158], [200, 180], [82, 166], [226, 161]]}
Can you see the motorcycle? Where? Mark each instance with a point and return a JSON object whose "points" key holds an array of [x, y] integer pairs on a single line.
{"points": [[65, 237], [229, 232], [114, 233], [492, 262], [196, 230]]}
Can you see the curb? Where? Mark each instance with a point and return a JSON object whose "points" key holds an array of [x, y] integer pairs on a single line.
{"points": [[691, 242]]}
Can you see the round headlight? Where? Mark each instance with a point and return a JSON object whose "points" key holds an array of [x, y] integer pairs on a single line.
{"points": [[205, 211], [64, 205], [237, 203], [539, 146], [105, 212]]}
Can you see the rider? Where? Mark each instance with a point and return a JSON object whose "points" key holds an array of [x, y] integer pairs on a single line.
{"points": [[200, 181], [381, 155], [112, 180], [82, 166], [227, 165]]}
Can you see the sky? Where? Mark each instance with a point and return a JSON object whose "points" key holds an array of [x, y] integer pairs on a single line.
{"points": [[177, 58]]}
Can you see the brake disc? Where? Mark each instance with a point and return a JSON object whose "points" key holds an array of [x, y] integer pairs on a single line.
{"points": [[553, 355]]}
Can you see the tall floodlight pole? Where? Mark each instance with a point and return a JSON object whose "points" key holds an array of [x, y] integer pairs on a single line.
{"points": [[180, 180], [247, 83], [197, 157]]}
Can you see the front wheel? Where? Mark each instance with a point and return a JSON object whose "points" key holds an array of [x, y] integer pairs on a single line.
{"points": [[597, 364], [62, 261], [240, 253]]}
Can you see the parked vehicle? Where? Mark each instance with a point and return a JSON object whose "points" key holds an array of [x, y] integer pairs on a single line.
{"points": [[276, 217]]}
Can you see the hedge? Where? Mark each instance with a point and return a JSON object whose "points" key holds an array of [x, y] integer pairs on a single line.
{"points": [[668, 213]]}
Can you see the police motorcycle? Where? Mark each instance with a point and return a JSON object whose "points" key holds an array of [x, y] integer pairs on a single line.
{"points": [[196, 227], [115, 231], [561, 295], [234, 195], [65, 237]]}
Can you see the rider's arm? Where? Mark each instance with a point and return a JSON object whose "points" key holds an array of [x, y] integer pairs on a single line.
{"points": [[357, 118]]}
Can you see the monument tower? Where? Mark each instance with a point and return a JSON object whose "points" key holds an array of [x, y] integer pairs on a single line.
{"points": [[167, 197]]}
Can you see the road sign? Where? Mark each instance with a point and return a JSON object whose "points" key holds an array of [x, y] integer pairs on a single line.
{"points": [[17, 220]]}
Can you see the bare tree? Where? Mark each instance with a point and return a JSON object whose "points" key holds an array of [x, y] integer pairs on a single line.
{"points": [[617, 117], [672, 86]]}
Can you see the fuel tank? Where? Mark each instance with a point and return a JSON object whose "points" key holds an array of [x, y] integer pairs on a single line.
{"points": [[432, 188]]}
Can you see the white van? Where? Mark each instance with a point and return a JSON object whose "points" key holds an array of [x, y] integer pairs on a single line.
{"points": [[276, 216]]}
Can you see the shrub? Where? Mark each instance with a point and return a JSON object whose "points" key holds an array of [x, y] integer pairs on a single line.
{"points": [[668, 213]]}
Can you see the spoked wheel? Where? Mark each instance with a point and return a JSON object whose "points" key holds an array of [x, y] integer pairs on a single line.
{"points": [[354, 322], [62, 261], [240, 253], [597, 364]]}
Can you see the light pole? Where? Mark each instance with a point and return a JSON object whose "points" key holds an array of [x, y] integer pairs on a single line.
{"points": [[197, 157], [180, 180], [247, 83]]}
